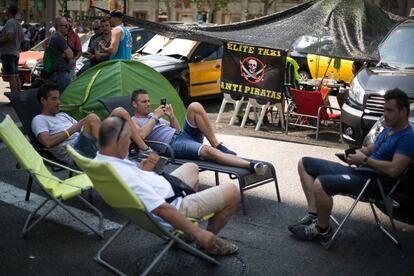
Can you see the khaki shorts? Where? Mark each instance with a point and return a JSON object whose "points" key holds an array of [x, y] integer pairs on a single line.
{"points": [[202, 203]]}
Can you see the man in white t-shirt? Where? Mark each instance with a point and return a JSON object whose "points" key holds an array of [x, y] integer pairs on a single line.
{"points": [[55, 129], [155, 191]]}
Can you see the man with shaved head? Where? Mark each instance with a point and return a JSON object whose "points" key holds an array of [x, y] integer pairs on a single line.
{"points": [[158, 196]]}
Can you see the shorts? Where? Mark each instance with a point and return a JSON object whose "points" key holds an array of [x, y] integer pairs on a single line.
{"points": [[10, 63], [61, 79], [339, 179], [187, 144], [203, 203], [86, 145]]}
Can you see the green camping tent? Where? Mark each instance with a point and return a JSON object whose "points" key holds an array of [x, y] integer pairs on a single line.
{"points": [[117, 78]]}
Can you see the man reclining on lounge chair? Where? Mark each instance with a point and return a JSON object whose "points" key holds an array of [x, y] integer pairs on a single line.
{"points": [[155, 191], [187, 142], [55, 129]]}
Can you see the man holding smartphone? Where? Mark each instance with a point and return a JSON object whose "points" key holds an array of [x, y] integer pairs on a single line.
{"points": [[186, 142], [391, 154]]}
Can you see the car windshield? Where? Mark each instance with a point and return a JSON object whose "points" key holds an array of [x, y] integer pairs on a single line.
{"points": [[178, 46], [154, 45], [84, 38], [397, 49]]}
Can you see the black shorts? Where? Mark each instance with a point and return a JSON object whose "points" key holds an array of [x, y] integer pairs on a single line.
{"points": [[10, 63], [340, 179]]}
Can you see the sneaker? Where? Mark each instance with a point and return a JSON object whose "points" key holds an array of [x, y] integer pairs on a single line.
{"points": [[306, 220], [311, 232], [224, 149], [258, 167]]}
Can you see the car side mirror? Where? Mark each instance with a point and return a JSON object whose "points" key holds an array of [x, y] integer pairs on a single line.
{"points": [[198, 58]]}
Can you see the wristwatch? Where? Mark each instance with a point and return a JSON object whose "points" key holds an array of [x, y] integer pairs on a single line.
{"points": [[156, 119], [365, 161]]}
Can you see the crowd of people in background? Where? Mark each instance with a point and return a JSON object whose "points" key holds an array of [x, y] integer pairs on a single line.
{"points": [[111, 40]]}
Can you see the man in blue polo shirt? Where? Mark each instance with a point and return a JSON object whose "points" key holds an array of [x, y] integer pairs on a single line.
{"points": [[391, 154]]}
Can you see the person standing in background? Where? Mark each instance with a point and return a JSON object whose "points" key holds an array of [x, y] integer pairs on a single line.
{"points": [[74, 43], [10, 41], [121, 40]]}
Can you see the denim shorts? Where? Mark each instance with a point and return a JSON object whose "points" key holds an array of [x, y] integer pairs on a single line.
{"points": [[188, 143], [340, 179], [10, 63], [61, 79], [86, 145]]}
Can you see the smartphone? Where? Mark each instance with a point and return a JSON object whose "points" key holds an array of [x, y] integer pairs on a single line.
{"points": [[341, 156], [350, 151], [159, 166], [163, 101]]}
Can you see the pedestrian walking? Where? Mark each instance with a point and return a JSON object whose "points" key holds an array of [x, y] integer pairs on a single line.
{"points": [[10, 42]]}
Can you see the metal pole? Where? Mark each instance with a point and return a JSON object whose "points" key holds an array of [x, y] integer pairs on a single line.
{"points": [[125, 2]]}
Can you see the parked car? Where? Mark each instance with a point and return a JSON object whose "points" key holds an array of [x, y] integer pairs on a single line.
{"points": [[314, 66], [365, 102], [404, 194], [193, 68]]}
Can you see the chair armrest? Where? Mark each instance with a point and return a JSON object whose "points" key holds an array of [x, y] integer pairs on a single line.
{"points": [[169, 148], [62, 166], [334, 108]]}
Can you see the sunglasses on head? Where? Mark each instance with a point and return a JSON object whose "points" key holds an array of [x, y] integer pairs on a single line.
{"points": [[121, 129]]}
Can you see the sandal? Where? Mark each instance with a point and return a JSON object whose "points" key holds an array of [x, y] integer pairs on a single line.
{"points": [[223, 248]]}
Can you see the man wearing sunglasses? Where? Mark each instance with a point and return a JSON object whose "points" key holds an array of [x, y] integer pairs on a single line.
{"points": [[55, 129], [158, 196], [62, 54]]}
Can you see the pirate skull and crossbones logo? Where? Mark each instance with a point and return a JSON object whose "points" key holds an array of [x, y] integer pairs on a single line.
{"points": [[252, 69]]}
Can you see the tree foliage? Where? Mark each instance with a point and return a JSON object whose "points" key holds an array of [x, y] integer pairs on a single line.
{"points": [[213, 6]]}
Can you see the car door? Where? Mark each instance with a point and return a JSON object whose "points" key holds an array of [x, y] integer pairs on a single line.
{"points": [[205, 70]]}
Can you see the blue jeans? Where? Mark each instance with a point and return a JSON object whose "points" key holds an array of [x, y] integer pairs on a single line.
{"points": [[339, 179], [62, 79], [188, 143], [86, 145]]}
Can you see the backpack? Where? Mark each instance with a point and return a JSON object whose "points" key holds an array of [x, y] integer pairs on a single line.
{"points": [[47, 62]]}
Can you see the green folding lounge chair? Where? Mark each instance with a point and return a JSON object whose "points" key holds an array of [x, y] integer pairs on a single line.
{"points": [[119, 196], [56, 190]]}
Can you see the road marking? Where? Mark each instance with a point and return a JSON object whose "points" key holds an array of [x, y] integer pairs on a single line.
{"points": [[15, 196]]}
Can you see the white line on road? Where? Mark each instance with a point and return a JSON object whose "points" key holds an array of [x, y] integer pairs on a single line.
{"points": [[15, 196]]}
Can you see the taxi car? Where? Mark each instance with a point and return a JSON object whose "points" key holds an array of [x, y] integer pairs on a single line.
{"points": [[314, 66], [193, 68]]}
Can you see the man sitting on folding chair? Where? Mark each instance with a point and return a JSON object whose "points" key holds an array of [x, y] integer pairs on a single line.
{"points": [[158, 196], [187, 142], [391, 154], [55, 129]]}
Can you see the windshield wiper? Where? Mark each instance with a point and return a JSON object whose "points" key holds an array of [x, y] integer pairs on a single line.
{"points": [[386, 65], [409, 68]]}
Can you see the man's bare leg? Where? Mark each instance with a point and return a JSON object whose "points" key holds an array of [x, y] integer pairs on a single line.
{"points": [[122, 113], [231, 195], [212, 154], [14, 82], [324, 205], [197, 116], [308, 188], [91, 125]]}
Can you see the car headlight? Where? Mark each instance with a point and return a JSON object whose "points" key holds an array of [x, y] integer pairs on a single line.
{"points": [[356, 92], [374, 132], [30, 63]]}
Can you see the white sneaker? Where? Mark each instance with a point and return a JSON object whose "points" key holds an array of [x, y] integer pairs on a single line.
{"points": [[260, 168]]}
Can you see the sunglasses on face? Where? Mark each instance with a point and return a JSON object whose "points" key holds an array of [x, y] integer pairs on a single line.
{"points": [[121, 129], [97, 28]]}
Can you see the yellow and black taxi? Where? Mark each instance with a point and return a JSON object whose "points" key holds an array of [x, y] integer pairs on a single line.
{"points": [[192, 67], [315, 66]]}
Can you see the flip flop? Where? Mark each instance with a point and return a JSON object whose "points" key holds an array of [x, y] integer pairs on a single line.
{"points": [[223, 248]]}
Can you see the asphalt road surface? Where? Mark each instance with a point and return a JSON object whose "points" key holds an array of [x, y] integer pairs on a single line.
{"points": [[59, 246]]}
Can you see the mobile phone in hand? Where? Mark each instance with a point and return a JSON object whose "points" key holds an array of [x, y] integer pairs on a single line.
{"points": [[350, 151], [341, 156], [163, 101]]}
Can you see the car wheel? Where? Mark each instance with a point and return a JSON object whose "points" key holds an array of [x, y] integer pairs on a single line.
{"points": [[181, 89], [303, 76]]}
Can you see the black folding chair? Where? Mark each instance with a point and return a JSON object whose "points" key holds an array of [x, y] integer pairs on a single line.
{"points": [[386, 201], [26, 105], [246, 178]]}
